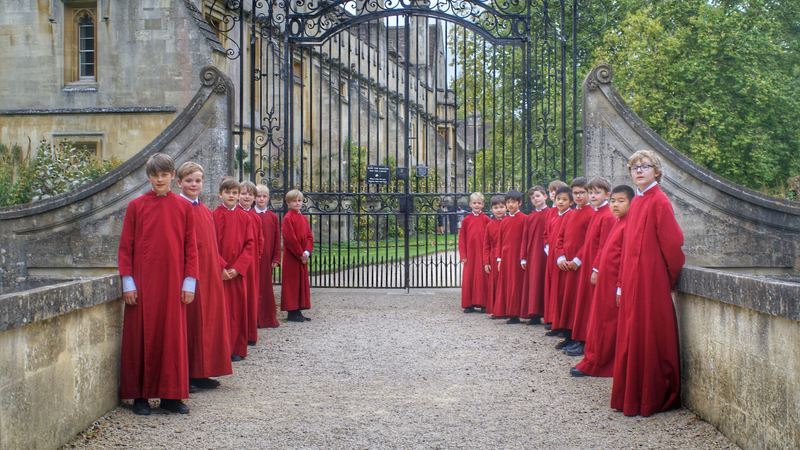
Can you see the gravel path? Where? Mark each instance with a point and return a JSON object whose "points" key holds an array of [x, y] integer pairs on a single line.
{"points": [[389, 370]]}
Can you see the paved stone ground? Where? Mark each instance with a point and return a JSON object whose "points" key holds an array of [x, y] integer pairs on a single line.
{"points": [[389, 370]]}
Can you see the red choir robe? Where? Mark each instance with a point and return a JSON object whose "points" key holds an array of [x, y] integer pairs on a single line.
{"points": [[252, 277], [491, 251], [297, 238], [271, 253], [511, 273], [157, 248], [554, 277], [207, 316], [569, 243], [596, 234], [647, 365], [236, 248], [598, 355], [532, 251], [475, 281]]}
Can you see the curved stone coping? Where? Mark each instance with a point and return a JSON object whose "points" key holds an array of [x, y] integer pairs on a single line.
{"points": [[601, 77], [212, 80], [768, 295], [22, 308]]}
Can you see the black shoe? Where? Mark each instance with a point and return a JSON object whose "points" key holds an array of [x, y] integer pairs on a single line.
{"points": [[483, 309], [514, 319], [192, 388], [577, 373], [307, 319], [236, 358], [141, 407], [295, 316], [563, 344], [534, 321], [251, 343], [577, 350], [205, 383], [572, 346], [174, 406], [471, 309], [548, 326], [497, 317], [552, 333]]}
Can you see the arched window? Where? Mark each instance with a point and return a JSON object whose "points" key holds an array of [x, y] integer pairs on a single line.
{"points": [[80, 45], [86, 50]]}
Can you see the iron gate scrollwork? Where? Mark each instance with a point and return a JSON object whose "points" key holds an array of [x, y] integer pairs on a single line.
{"points": [[447, 96]]}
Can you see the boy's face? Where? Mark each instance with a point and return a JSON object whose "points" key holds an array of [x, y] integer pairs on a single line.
{"points": [[538, 199], [562, 202], [619, 204], [512, 205], [160, 181], [499, 210], [261, 200], [246, 198], [229, 197], [580, 196], [643, 173], [476, 205], [553, 196], [191, 184], [296, 204], [597, 196]]}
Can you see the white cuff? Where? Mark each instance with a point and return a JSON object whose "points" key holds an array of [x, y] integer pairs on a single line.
{"points": [[522, 261], [498, 259], [576, 261], [189, 285], [307, 253], [619, 291], [547, 249], [128, 284], [595, 270], [561, 258]]}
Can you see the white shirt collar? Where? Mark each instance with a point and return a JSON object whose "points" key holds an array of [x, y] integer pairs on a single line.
{"points": [[565, 211], [601, 205], [540, 210], [229, 209], [240, 206], [512, 215], [641, 193], [260, 211], [194, 202], [159, 195]]}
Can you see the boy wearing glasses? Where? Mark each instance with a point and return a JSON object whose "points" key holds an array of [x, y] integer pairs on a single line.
{"points": [[647, 366]]}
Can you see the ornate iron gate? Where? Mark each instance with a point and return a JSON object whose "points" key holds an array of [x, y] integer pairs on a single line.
{"points": [[387, 114]]}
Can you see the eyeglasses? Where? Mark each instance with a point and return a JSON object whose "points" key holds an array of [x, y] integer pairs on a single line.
{"points": [[644, 168]]}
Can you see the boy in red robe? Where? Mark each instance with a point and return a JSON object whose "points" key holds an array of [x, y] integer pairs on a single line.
{"points": [[511, 273], [569, 243], [532, 257], [491, 249], [270, 259], [236, 247], [552, 215], [475, 281], [158, 264], [598, 360], [647, 363], [596, 234], [298, 242], [247, 195], [207, 316], [554, 278]]}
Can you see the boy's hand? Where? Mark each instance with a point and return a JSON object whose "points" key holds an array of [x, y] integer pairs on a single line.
{"points": [[225, 276], [563, 265], [464, 260], [130, 297], [618, 301], [304, 259], [233, 273], [572, 266], [523, 264], [594, 278], [187, 297], [488, 268], [274, 265]]}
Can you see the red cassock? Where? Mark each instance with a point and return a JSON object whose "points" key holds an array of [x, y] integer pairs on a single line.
{"points": [[598, 355], [297, 238], [532, 252], [569, 243], [236, 248], [270, 254], [207, 315], [647, 366], [511, 272], [253, 272], [491, 251], [475, 281], [596, 234], [554, 277], [158, 249]]}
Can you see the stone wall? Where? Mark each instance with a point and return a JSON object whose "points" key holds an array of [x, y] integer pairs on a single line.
{"points": [[59, 360], [740, 352]]}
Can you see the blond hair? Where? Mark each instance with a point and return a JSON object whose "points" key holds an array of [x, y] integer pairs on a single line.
{"points": [[292, 195], [261, 189], [477, 196], [637, 157], [554, 185], [189, 168]]}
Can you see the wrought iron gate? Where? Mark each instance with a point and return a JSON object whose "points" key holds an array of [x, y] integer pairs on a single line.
{"points": [[387, 114]]}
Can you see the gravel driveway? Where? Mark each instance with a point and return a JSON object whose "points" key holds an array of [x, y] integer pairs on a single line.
{"points": [[377, 369]]}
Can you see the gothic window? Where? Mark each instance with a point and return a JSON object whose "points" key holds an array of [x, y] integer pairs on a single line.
{"points": [[86, 64], [80, 43]]}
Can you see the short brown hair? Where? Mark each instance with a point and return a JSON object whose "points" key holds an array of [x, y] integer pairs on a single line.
{"points": [[499, 199], [159, 162], [599, 183], [658, 166], [189, 168], [248, 186], [292, 195], [554, 185], [537, 188], [579, 182], [261, 189], [228, 184]]}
